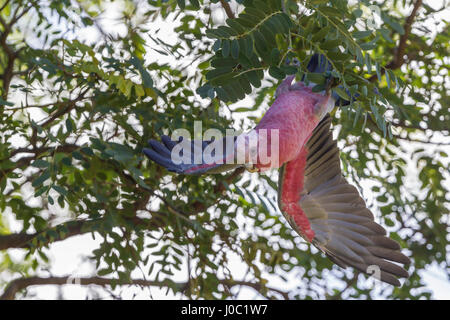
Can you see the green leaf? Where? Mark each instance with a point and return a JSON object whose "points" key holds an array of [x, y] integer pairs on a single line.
{"points": [[394, 24], [321, 34], [388, 80], [258, 14], [276, 72], [43, 177], [41, 191], [195, 3], [66, 161], [222, 73], [377, 66], [260, 44], [77, 155], [254, 78], [244, 83], [87, 150], [289, 69], [147, 80], [315, 77], [248, 46], [368, 46], [234, 24], [385, 34], [216, 45], [391, 76], [60, 190], [361, 34], [268, 33], [69, 125], [235, 49], [330, 44], [225, 48], [275, 56], [247, 20], [221, 63], [40, 163], [5, 103], [368, 62], [263, 6], [341, 92], [106, 271], [181, 4]]}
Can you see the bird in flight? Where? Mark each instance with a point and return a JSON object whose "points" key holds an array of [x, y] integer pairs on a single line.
{"points": [[313, 195]]}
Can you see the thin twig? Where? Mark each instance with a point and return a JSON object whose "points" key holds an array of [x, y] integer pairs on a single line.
{"points": [[22, 283], [227, 8], [399, 59]]}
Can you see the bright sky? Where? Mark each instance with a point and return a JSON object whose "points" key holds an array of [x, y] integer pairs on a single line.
{"points": [[69, 257]]}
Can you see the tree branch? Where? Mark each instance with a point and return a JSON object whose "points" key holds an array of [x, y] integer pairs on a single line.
{"points": [[23, 240], [399, 59], [65, 108], [257, 286], [227, 8], [11, 57], [218, 189], [22, 283], [8, 72], [70, 229], [66, 148], [73, 228], [25, 161], [4, 5]]}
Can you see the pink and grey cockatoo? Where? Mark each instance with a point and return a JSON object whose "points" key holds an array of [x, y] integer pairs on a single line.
{"points": [[314, 197]]}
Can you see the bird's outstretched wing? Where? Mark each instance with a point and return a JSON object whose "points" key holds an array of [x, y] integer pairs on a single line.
{"points": [[326, 210], [192, 157]]}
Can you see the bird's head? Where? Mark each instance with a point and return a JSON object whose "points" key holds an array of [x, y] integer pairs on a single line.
{"points": [[325, 102]]}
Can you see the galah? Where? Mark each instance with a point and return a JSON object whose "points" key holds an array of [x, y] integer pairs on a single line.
{"points": [[313, 195]]}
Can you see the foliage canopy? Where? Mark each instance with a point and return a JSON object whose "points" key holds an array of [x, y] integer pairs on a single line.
{"points": [[79, 99]]}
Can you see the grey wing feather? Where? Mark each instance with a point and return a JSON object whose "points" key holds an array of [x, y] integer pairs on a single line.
{"points": [[344, 227]]}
